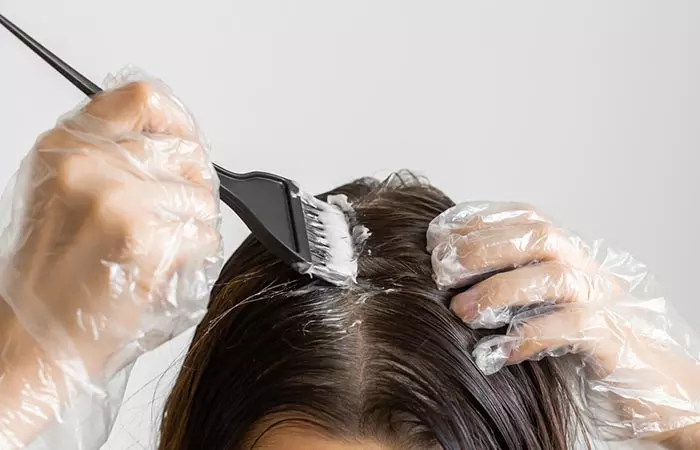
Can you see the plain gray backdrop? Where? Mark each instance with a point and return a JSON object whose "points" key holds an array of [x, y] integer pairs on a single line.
{"points": [[589, 110]]}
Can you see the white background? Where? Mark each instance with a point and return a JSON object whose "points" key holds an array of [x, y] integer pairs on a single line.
{"points": [[587, 109]]}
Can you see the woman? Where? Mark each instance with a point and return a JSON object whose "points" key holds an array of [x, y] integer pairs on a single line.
{"points": [[117, 260], [284, 361]]}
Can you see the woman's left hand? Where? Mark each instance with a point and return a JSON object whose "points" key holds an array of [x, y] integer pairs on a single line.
{"points": [[558, 295]]}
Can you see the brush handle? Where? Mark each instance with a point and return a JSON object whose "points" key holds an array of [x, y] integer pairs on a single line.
{"points": [[268, 204], [76, 78], [88, 87]]}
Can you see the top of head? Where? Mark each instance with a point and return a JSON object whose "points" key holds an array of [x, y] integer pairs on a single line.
{"points": [[384, 362]]}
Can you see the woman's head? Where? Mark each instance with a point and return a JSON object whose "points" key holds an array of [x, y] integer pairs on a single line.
{"points": [[284, 361]]}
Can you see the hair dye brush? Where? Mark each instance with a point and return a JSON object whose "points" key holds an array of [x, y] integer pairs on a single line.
{"points": [[310, 235]]}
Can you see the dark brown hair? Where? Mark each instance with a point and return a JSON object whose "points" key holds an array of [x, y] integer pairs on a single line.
{"points": [[385, 360]]}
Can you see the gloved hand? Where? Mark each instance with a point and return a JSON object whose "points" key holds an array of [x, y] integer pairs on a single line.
{"points": [[109, 247], [557, 294]]}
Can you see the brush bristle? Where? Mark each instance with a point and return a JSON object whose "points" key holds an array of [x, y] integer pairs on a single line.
{"points": [[330, 241]]}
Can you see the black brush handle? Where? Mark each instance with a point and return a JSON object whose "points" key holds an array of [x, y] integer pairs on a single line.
{"points": [[88, 87], [76, 78], [269, 204]]}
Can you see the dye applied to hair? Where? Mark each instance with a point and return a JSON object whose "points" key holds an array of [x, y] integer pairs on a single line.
{"points": [[383, 362], [344, 242]]}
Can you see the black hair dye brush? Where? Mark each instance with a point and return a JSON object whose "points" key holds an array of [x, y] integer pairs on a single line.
{"points": [[310, 235]]}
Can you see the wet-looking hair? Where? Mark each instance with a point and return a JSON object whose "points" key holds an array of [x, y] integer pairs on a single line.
{"points": [[385, 361]]}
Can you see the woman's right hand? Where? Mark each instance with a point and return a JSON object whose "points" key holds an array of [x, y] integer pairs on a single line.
{"points": [[110, 248]]}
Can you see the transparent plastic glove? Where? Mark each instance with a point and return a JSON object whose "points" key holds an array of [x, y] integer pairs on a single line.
{"points": [[109, 247], [639, 364]]}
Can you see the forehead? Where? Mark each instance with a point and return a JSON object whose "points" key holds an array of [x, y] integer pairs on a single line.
{"points": [[298, 438], [283, 432]]}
